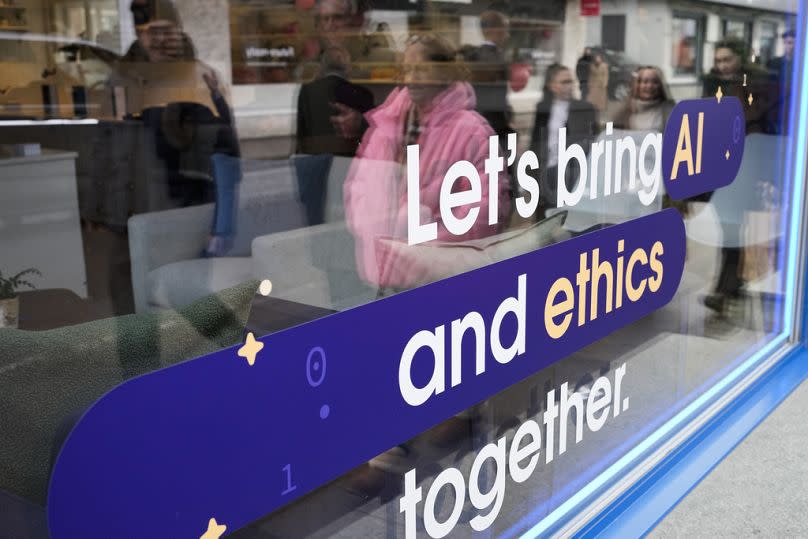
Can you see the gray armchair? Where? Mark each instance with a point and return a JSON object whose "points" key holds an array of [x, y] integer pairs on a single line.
{"points": [[165, 247]]}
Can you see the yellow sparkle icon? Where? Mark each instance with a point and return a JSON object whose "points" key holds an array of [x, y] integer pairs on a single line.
{"points": [[719, 94], [215, 530], [726, 155], [750, 99], [250, 349]]}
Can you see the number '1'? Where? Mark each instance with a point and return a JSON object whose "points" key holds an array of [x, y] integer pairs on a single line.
{"points": [[289, 486]]}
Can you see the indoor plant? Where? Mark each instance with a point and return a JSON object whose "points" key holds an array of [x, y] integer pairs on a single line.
{"points": [[9, 302]]}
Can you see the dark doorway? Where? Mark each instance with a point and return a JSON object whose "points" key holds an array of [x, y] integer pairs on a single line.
{"points": [[613, 32]]}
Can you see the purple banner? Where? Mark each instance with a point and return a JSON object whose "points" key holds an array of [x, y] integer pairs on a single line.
{"points": [[234, 435]]}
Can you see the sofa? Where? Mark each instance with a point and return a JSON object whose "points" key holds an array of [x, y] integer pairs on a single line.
{"points": [[48, 378], [166, 247]]}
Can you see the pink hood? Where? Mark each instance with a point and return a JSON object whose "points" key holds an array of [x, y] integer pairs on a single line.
{"points": [[375, 190]]}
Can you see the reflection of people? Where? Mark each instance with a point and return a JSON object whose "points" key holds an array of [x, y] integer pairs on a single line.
{"points": [[341, 23], [158, 34], [319, 105], [490, 72], [325, 98], [784, 64], [435, 110], [179, 100], [226, 172], [782, 69], [582, 72], [649, 105], [598, 92], [735, 77], [559, 109]]}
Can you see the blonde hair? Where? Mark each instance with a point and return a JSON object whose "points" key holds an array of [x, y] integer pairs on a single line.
{"points": [[438, 50]]}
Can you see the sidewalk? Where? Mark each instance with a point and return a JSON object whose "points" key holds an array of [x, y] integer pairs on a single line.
{"points": [[758, 490]]}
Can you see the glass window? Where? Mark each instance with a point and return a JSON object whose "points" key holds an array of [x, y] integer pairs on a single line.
{"points": [[737, 29], [687, 37], [768, 43], [193, 196]]}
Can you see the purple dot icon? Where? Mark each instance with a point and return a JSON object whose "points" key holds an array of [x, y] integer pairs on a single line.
{"points": [[324, 411]]}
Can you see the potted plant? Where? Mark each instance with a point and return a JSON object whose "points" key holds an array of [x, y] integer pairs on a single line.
{"points": [[9, 302]]}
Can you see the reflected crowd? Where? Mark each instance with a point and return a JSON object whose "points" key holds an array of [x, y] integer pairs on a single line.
{"points": [[191, 176], [365, 92]]}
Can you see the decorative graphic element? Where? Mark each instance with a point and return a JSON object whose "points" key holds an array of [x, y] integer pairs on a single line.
{"points": [[315, 374], [702, 147], [287, 474], [737, 130], [265, 288], [215, 530], [315, 366], [538, 309], [250, 349]]}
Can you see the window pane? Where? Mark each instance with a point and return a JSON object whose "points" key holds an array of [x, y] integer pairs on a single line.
{"points": [[685, 33], [160, 159]]}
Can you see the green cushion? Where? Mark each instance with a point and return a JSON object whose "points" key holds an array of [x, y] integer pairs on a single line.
{"points": [[47, 377]]}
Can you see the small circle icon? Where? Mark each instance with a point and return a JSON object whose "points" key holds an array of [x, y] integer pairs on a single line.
{"points": [[315, 367], [325, 410]]}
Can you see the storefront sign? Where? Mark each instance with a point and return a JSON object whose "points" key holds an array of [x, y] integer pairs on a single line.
{"points": [[590, 8]]}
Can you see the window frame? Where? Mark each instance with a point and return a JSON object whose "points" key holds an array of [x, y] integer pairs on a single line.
{"points": [[621, 488], [698, 67]]}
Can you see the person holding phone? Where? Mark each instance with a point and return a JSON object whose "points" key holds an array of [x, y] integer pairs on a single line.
{"points": [[329, 123]]}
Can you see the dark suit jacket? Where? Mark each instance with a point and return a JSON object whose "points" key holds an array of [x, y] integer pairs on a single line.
{"points": [[315, 132], [490, 74], [581, 126], [582, 129]]}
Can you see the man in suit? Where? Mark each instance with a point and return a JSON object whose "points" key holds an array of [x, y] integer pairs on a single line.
{"points": [[490, 72], [782, 70], [320, 106], [559, 109], [582, 69], [490, 75]]}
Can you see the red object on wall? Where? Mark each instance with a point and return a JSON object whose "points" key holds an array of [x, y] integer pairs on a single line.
{"points": [[520, 76], [590, 8]]}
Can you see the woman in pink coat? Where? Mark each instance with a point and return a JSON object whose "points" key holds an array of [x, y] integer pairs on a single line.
{"points": [[434, 109]]}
